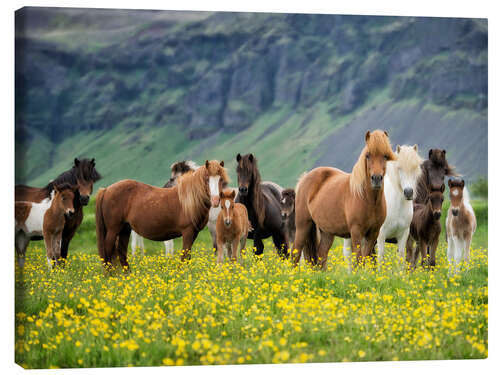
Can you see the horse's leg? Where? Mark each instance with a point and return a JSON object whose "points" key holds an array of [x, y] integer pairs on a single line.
{"points": [[347, 251], [22, 241], [243, 242], [467, 249], [259, 246], [234, 250], [324, 247], [109, 248], [134, 242], [188, 237], [122, 246], [422, 249], [369, 246], [280, 244], [301, 233], [357, 241], [69, 231], [432, 253], [381, 248], [410, 250], [213, 234], [169, 247], [402, 240], [220, 251]]}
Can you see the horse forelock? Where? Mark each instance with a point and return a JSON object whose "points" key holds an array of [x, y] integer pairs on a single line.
{"points": [[438, 159], [409, 160], [86, 170], [215, 169]]}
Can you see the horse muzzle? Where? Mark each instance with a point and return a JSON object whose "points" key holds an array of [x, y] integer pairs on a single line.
{"points": [[69, 214], [454, 211], [436, 215], [227, 223], [243, 190], [377, 180], [84, 200], [215, 200], [408, 193]]}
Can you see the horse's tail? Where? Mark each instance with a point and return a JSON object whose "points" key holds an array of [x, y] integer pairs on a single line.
{"points": [[311, 245], [99, 222]]}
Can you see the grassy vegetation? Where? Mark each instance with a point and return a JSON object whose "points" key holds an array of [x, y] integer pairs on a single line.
{"points": [[165, 312]]}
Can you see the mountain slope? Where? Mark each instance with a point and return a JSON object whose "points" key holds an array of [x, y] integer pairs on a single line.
{"points": [[297, 90]]}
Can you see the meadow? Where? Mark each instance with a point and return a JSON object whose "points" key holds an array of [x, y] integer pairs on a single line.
{"points": [[260, 310]]}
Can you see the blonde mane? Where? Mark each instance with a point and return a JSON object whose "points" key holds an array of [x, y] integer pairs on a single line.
{"points": [[377, 144], [193, 191]]}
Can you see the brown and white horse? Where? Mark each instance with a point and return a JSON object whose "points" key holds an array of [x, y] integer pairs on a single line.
{"points": [[83, 175], [232, 226], [460, 223], [342, 204], [46, 219], [158, 214]]}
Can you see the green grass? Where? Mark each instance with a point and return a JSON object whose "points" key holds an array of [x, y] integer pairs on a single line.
{"points": [[260, 310]]}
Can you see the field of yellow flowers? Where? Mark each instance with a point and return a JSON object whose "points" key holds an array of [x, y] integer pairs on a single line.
{"points": [[260, 310]]}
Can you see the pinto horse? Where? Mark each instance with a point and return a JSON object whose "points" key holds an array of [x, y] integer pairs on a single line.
{"points": [[83, 175], [158, 214], [342, 204], [262, 200], [46, 218]]}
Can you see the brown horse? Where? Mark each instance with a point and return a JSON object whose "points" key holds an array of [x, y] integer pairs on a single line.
{"points": [[343, 204], [46, 218], [232, 226], [83, 175], [55, 219], [158, 214], [425, 228]]}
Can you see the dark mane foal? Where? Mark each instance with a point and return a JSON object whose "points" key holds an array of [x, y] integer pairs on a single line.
{"points": [[425, 229], [262, 201]]}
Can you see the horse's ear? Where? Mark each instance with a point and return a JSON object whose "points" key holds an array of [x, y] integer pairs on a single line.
{"points": [[206, 164], [398, 148], [367, 136], [292, 193], [77, 162], [415, 147], [92, 162], [462, 183], [449, 182], [221, 194], [444, 152], [387, 134], [233, 194], [222, 163], [56, 189], [442, 188], [430, 152], [250, 158], [238, 158]]}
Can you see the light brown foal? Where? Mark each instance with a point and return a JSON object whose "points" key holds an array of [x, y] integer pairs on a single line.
{"points": [[232, 226], [55, 219]]}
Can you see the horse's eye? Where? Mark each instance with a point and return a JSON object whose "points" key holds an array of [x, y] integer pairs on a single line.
{"points": [[386, 157], [368, 156]]}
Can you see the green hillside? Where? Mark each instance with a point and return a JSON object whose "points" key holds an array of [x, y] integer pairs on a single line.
{"points": [[138, 90]]}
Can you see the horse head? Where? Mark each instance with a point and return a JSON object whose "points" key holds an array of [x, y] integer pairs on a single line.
{"points": [[64, 198], [248, 174], [227, 206], [435, 200], [456, 194], [287, 203], [217, 178], [408, 169], [87, 175], [377, 153]]}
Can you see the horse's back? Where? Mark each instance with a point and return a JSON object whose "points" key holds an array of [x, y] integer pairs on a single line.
{"points": [[319, 179], [29, 194]]}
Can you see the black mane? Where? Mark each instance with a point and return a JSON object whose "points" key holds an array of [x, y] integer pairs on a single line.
{"points": [[83, 169]]}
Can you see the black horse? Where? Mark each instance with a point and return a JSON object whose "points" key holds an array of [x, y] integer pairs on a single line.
{"points": [[262, 200], [82, 175]]}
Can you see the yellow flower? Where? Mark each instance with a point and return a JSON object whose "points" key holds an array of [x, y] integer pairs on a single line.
{"points": [[361, 354]]}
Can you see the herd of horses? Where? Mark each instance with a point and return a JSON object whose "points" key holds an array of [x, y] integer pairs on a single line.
{"points": [[389, 196]]}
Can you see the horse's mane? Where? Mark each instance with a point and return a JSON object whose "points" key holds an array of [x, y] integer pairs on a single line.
{"points": [[83, 169], [194, 194], [250, 168], [377, 143]]}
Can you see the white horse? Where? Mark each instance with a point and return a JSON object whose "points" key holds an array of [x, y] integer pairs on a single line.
{"points": [[399, 185], [460, 224]]}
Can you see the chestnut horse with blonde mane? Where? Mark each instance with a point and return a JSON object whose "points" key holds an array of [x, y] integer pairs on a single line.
{"points": [[342, 204], [158, 214]]}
